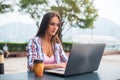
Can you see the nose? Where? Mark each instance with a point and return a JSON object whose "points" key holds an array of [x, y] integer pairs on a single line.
{"points": [[55, 27]]}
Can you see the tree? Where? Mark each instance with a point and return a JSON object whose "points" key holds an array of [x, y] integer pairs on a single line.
{"points": [[5, 7], [35, 8], [80, 13]]}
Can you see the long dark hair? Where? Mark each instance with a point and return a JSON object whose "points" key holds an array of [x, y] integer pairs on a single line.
{"points": [[45, 24]]}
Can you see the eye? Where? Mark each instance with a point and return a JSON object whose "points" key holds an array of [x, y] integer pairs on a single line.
{"points": [[52, 23], [55, 24], [58, 24]]}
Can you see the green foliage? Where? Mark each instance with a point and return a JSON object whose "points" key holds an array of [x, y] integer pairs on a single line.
{"points": [[34, 8], [74, 12], [5, 7], [22, 47], [67, 46], [77, 13], [27, 3], [14, 46]]}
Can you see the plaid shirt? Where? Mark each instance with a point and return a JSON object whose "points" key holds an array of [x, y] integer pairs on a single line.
{"points": [[34, 49]]}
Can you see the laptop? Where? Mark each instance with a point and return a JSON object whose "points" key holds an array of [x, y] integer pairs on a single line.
{"points": [[83, 58]]}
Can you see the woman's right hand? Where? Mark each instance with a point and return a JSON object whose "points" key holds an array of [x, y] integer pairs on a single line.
{"points": [[61, 65], [53, 66]]}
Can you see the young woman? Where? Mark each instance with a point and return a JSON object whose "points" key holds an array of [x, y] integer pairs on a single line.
{"points": [[46, 45]]}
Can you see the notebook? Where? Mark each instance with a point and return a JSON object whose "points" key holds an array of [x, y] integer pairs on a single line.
{"points": [[83, 58]]}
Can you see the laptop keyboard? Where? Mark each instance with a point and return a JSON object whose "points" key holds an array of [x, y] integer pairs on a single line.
{"points": [[59, 69]]}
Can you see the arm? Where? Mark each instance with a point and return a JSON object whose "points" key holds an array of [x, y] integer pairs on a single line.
{"points": [[31, 54], [53, 66], [63, 56]]}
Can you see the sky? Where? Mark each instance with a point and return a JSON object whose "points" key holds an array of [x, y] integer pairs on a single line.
{"points": [[106, 8], [109, 9], [15, 17]]}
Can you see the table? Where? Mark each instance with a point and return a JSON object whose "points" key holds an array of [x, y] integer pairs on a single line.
{"points": [[107, 71]]}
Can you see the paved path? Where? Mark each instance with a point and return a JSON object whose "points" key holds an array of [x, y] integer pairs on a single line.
{"points": [[13, 65], [112, 58], [19, 64]]}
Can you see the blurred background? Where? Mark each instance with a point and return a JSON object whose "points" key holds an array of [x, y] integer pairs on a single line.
{"points": [[83, 21], [91, 21]]}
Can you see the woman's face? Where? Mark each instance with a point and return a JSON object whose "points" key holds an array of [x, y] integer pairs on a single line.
{"points": [[53, 26]]}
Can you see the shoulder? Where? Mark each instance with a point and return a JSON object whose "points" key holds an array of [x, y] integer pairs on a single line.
{"points": [[35, 39], [58, 46]]}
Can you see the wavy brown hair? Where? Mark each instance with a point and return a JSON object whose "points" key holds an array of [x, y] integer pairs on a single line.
{"points": [[45, 24]]}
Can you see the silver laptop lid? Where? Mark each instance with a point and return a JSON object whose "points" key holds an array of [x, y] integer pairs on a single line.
{"points": [[84, 58]]}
